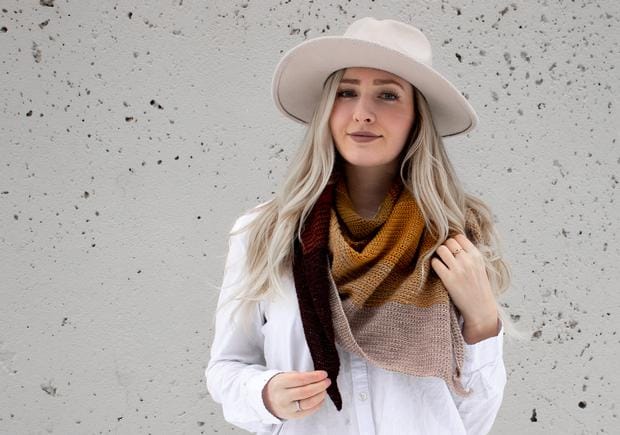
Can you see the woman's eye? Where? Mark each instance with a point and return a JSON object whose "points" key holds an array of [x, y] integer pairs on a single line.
{"points": [[344, 93], [390, 95]]}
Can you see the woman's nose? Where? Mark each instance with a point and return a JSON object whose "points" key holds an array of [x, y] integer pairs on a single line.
{"points": [[363, 111]]}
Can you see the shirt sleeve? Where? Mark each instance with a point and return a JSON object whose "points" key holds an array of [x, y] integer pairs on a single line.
{"points": [[485, 374], [236, 372]]}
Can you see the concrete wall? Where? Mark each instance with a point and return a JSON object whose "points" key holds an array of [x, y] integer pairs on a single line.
{"points": [[133, 133]]}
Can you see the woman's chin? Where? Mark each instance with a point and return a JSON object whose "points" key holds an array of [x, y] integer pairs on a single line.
{"points": [[366, 163]]}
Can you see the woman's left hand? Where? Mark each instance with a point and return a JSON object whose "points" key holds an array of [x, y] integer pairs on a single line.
{"points": [[463, 273]]}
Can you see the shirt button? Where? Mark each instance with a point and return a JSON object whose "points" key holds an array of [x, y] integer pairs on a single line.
{"points": [[363, 396]]}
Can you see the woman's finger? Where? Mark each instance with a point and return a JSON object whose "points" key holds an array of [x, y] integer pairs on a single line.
{"points": [[304, 412], [306, 391], [465, 242], [313, 401], [297, 379], [453, 246], [439, 268], [308, 406], [446, 256]]}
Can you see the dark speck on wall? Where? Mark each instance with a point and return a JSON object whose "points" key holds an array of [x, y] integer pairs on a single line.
{"points": [[156, 104], [36, 52], [533, 417], [49, 388]]}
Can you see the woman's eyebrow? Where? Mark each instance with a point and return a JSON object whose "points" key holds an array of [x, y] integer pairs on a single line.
{"points": [[374, 82]]}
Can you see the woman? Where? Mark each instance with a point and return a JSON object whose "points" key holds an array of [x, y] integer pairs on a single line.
{"points": [[362, 298]]}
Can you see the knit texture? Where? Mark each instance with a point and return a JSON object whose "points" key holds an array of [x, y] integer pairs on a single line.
{"points": [[361, 282]]}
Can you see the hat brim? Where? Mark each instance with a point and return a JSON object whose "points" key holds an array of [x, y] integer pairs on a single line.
{"points": [[299, 77]]}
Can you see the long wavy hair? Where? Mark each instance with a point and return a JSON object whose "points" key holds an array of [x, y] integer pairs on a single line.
{"points": [[425, 170]]}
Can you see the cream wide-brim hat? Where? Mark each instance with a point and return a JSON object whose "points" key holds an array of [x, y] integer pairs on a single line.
{"points": [[388, 45]]}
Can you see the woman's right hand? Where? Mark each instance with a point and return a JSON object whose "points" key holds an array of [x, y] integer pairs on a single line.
{"points": [[283, 389]]}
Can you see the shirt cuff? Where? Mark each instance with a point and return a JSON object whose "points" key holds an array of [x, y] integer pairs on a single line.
{"points": [[255, 387], [484, 352]]}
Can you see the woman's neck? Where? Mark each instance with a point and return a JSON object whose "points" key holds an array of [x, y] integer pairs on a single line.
{"points": [[367, 186]]}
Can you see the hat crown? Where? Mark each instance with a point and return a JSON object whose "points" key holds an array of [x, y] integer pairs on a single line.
{"points": [[395, 35]]}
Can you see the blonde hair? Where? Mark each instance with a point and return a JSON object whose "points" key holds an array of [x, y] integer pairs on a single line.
{"points": [[425, 170]]}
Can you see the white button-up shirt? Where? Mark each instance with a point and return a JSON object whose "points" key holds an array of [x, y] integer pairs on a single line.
{"points": [[375, 401]]}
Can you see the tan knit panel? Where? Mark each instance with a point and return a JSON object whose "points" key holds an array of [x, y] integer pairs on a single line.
{"points": [[402, 338]]}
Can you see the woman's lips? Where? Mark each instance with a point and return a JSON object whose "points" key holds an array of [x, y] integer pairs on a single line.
{"points": [[360, 138]]}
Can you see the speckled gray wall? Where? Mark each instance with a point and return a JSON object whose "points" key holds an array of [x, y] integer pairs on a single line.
{"points": [[133, 133]]}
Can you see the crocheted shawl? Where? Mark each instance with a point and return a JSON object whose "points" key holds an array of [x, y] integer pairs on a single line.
{"points": [[362, 283]]}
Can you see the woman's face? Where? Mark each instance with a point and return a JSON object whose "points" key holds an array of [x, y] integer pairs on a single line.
{"points": [[376, 103]]}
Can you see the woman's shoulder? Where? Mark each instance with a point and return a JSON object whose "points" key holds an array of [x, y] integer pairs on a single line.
{"points": [[249, 215]]}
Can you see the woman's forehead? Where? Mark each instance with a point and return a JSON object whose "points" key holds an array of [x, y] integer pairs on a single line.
{"points": [[366, 72]]}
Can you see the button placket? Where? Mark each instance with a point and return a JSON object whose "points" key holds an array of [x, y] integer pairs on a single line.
{"points": [[363, 408]]}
